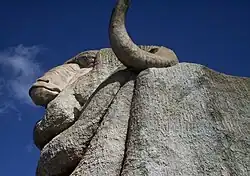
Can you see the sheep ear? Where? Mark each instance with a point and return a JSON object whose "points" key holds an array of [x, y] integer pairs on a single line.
{"points": [[165, 52]]}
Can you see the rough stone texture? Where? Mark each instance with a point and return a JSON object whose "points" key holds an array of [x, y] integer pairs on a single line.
{"points": [[64, 151], [104, 155], [189, 120], [63, 110], [182, 120]]}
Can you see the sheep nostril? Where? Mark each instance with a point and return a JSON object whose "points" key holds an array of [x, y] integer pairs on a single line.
{"points": [[43, 80]]}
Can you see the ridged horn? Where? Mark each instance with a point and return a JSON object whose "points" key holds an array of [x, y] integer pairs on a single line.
{"points": [[125, 49]]}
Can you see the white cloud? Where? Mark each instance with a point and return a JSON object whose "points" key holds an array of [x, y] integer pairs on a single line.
{"points": [[18, 70]]}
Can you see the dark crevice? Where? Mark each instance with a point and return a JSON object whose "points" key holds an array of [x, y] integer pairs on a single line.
{"points": [[121, 76], [125, 149], [66, 173], [87, 143], [115, 77], [127, 135], [111, 79], [153, 50]]}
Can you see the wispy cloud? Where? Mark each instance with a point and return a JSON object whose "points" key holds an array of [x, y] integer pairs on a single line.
{"points": [[18, 70]]}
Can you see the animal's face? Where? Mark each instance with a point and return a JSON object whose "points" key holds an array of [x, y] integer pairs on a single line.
{"points": [[47, 87], [79, 95]]}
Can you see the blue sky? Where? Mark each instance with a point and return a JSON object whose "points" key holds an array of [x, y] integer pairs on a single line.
{"points": [[38, 35]]}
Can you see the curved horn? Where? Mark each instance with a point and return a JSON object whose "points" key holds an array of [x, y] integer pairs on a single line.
{"points": [[125, 49]]}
